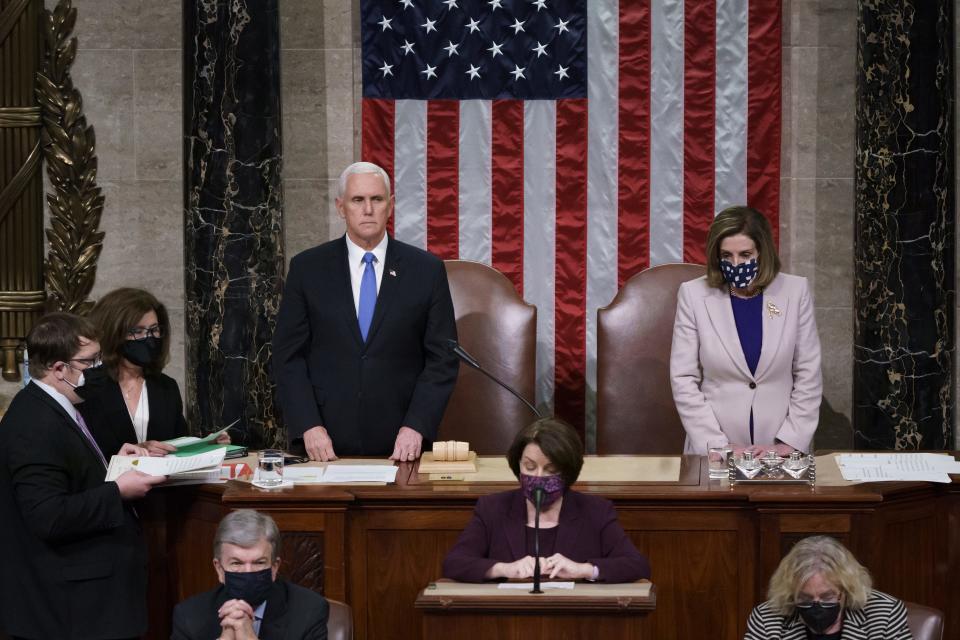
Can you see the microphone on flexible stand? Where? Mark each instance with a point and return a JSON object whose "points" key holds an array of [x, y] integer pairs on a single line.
{"points": [[469, 360], [537, 499]]}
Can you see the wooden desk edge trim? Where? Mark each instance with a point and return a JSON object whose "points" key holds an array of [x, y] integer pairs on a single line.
{"points": [[569, 604]]}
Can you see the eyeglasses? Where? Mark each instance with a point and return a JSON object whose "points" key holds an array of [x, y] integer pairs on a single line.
{"points": [[139, 333], [827, 603], [89, 362]]}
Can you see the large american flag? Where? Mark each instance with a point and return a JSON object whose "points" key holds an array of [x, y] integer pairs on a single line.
{"points": [[571, 144]]}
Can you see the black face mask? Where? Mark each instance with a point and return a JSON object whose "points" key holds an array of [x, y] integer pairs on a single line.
{"points": [[252, 587], [142, 353], [819, 617], [94, 379]]}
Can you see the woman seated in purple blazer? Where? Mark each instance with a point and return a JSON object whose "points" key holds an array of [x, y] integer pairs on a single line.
{"points": [[580, 538]]}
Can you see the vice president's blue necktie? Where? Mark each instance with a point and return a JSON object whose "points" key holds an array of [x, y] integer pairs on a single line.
{"points": [[368, 295]]}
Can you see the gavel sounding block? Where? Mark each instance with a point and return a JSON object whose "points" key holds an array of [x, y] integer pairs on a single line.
{"points": [[447, 457]]}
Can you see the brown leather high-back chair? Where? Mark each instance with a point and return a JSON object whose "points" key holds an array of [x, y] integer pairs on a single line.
{"points": [[340, 622], [926, 623], [635, 409], [499, 329]]}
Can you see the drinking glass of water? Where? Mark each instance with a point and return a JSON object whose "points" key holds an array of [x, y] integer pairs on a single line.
{"points": [[270, 468], [717, 451]]}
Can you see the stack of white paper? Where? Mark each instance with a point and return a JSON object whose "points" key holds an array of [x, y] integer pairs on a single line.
{"points": [[529, 585], [201, 467], [880, 467], [341, 474]]}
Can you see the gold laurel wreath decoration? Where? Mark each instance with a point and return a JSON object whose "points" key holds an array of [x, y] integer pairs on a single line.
{"points": [[69, 149]]}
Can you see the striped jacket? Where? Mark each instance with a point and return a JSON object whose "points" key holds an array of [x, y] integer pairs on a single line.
{"points": [[882, 618]]}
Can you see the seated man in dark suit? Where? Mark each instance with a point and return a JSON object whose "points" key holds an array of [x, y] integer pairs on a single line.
{"points": [[250, 602], [360, 352]]}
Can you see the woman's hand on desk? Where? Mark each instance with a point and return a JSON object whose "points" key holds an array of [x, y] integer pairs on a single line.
{"points": [[783, 450], [760, 450], [559, 566], [516, 570]]}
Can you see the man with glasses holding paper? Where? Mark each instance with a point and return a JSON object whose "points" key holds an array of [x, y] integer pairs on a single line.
{"points": [[76, 562]]}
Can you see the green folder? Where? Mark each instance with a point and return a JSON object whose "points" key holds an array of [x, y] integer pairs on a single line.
{"points": [[233, 450]]}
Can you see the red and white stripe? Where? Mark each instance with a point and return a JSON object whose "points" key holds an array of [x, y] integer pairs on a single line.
{"points": [[570, 198]]}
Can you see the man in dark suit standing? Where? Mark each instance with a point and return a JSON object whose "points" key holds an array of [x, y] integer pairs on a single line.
{"points": [[76, 562], [360, 351], [250, 602]]}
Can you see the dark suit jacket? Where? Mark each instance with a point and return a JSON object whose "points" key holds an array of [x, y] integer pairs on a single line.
{"points": [[75, 562], [588, 532], [364, 392], [109, 421], [292, 613]]}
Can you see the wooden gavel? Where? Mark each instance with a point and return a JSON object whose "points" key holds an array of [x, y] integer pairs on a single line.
{"points": [[451, 451]]}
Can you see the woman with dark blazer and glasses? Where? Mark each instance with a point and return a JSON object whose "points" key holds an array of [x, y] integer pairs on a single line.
{"points": [[131, 399]]}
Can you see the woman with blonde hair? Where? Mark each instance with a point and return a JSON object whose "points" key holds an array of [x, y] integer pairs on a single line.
{"points": [[745, 360], [820, 591]]}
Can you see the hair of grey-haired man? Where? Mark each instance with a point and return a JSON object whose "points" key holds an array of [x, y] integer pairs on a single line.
{"points": [[358, 168], [245, 528]]}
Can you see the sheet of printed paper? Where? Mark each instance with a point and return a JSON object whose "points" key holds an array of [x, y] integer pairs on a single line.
{"points": [[165, 466], [529, 585], [346, 473], [303, 475], [923, 467]]}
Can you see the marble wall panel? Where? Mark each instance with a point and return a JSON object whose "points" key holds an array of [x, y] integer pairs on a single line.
{"points": [[101, 26], [799, 145], [158, 121], [158, 23], [835, 325], [956, 161], [233, 196], [835, 106], [144, 242], [905, 279], [342, 120], [820, 23], [320, 114], [105, 80], [817, 159], [833, 242], [310, 216]]}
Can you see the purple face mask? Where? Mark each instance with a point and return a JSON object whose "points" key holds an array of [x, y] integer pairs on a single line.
{"points": [[553, 487]]}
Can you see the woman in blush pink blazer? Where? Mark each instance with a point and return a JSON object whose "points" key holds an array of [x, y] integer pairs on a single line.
{"points": [[745, 360]]}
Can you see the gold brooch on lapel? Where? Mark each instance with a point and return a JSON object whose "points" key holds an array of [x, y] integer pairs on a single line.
{"points": [[393, 273], [772, 310]]}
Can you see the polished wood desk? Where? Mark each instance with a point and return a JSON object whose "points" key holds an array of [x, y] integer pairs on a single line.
{"points": [[455, 610], [712, 548]]}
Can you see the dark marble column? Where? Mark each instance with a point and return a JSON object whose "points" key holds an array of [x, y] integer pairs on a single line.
{"points": [[233, 242], [904, 253]]}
